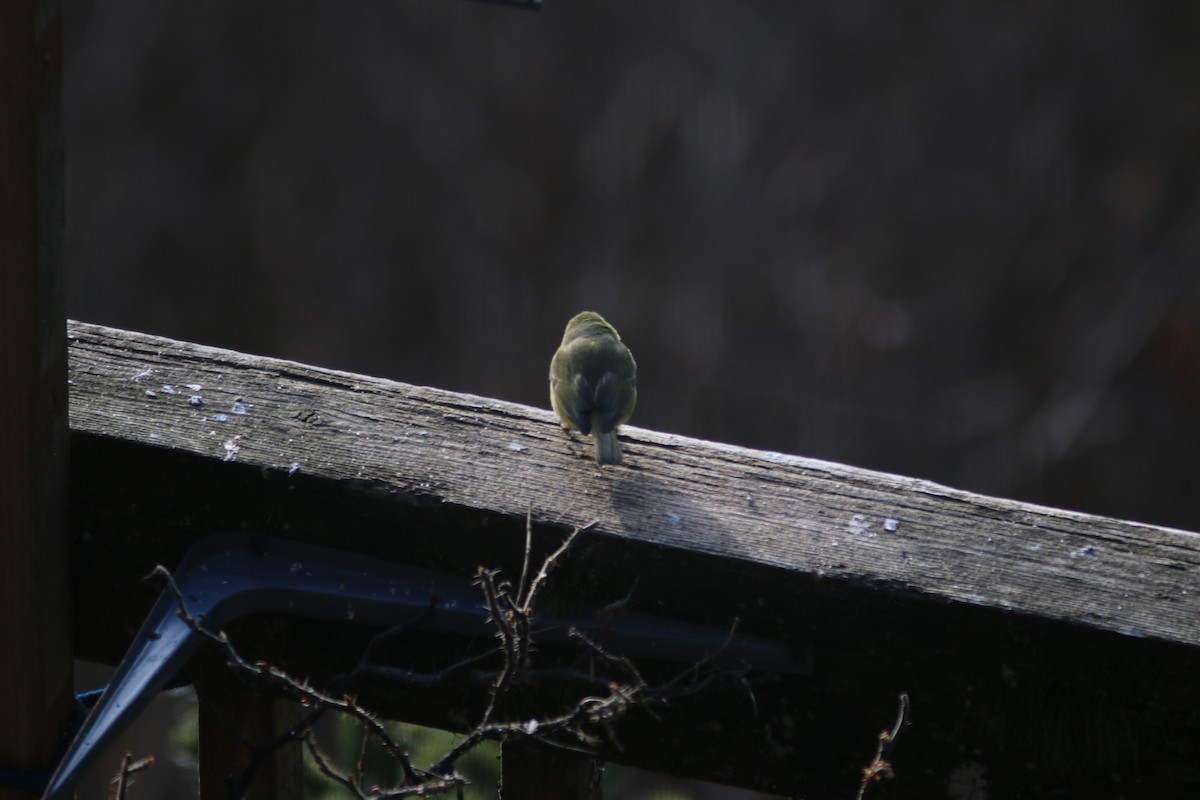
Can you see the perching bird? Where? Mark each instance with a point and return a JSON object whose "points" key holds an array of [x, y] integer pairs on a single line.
{"points": [[593, 382]]}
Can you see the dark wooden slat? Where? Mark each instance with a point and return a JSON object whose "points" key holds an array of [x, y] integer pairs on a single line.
{"points": [[532, 772], [233, 720], [35, 661]]}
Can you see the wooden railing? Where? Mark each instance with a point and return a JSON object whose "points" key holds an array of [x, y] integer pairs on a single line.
{"points": [[1037, 645]]}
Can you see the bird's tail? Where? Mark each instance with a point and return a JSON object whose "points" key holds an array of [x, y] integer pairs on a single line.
{"points": [[608, 449]]}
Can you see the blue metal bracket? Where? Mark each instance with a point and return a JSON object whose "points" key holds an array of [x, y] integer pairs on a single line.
{"points": [[228, 576]]}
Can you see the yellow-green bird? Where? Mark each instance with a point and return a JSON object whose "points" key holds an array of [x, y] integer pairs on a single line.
{"points": [[593, 382]]}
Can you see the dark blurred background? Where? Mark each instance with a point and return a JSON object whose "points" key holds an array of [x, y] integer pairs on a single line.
{"points": [[959, 241], [953, 240]]}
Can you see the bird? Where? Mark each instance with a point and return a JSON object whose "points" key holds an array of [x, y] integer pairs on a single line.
{"points": [[593, 382]]}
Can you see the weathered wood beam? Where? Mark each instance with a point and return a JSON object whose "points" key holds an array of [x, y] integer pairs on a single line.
{"points": [[811, 517], [993, 614]]}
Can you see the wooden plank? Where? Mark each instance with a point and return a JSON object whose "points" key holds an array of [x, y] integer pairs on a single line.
{"points": [[820, 519], [533, 772], [236, 725], [35, 662], [992, 615]]}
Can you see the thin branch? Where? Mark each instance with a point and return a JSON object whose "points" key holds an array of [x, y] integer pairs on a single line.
{"points": [[880, 767], [129, 768], [427, 787], [260, 753], [512, 623], [404, 627], [526, 602], [326, 769], [601, 653], [581, 729], [511, 639], [280, 678], [528, 549]]}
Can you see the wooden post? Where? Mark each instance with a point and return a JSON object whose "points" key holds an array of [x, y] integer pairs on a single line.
{"points": [[232, 719], [35, 603], [535, 772]]}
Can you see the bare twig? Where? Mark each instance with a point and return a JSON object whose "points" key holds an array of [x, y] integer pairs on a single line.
{"points": [[260, 753], [526, 602], [429, 786], [581, 729], [326, 769], [602, 654], [512, 620], [129, 767], [610, 612], [301, 689], [880, 767], [528, 549], [509, 624]]}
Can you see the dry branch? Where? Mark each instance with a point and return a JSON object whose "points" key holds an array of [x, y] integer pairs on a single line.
{"points": [[511, 616]]}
